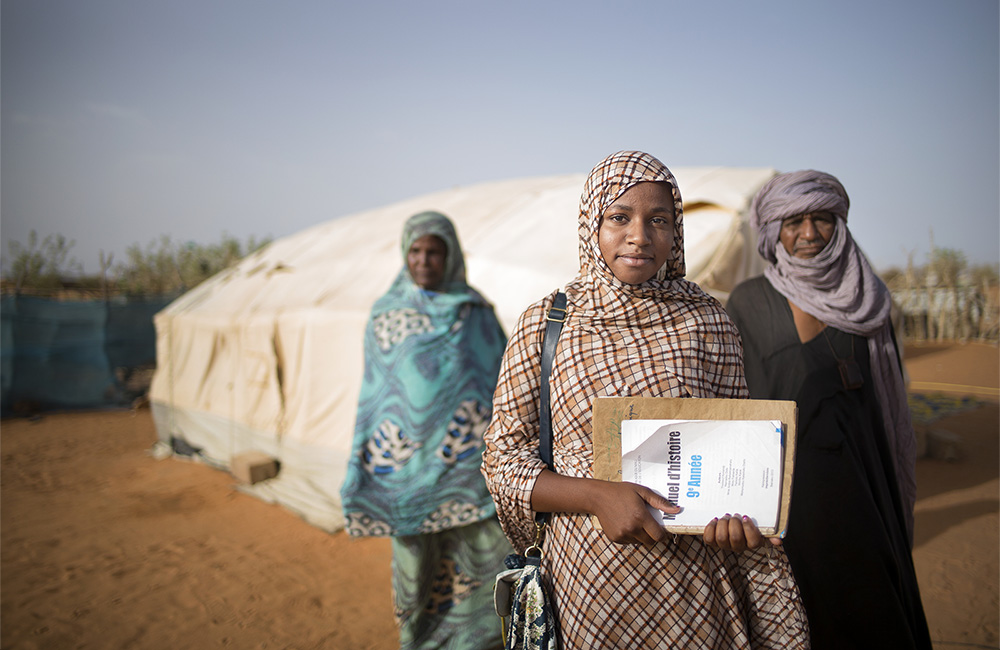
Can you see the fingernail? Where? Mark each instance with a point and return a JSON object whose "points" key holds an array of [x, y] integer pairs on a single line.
{"points": [[745, 518]]}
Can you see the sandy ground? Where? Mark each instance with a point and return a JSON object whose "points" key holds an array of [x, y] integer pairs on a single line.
{"points": [[104, 547]]}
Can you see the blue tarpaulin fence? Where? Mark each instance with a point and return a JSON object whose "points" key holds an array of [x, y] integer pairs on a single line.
{"points": [[63, 354]]}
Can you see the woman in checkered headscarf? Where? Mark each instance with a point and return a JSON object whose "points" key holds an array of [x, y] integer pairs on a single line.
{"points": [[634, 326]]}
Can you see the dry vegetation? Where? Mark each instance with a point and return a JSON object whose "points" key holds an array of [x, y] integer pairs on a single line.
{"points": [[45, 267]]}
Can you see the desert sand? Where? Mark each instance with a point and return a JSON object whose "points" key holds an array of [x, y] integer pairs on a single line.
{"points": [[102, 546]]}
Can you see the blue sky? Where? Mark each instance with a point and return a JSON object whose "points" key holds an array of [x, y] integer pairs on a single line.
{"points": [[126, 120]]}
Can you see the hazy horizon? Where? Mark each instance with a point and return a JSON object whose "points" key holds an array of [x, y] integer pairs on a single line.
{"points": [[124, 121]]}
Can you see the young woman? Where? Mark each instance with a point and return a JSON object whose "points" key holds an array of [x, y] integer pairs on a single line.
{"points": [[432, 351], [634, 326]]}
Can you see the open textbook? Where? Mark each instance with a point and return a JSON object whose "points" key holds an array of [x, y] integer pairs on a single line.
{"points": [[708, 467], [752, 458]]}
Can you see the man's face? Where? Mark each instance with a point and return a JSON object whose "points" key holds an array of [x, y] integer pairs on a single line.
{"points": [[805, 235], [426, 260], [636, 232]]}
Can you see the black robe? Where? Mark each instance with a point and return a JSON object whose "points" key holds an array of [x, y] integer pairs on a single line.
{"points": [[846, 539]]}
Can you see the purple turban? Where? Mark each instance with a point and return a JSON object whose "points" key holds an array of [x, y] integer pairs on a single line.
{"points": [[792, 194]]}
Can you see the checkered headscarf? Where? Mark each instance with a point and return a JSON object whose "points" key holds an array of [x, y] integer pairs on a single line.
{"points": [[669, 325], [611, 178]]}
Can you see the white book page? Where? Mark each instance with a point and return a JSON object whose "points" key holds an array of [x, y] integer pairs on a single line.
{"points": [[708, 467]]}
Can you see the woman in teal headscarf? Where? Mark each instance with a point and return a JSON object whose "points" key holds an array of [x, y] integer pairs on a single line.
{"points": [[432, 354]]}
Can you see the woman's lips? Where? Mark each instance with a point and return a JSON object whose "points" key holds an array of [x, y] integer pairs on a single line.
{"points": [[635, 260]]}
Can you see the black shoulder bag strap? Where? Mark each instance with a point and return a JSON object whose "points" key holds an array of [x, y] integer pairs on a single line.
{"points": [[554, 320]]}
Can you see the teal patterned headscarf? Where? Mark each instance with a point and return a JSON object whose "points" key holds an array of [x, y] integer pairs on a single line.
{"points": [[431, 365], [435, 223]]}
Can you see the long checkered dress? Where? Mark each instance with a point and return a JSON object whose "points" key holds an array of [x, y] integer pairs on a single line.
{"points": [[663, 338]]}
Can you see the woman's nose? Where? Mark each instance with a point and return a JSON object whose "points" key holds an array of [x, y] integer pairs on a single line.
{"points": [[637, 233]]}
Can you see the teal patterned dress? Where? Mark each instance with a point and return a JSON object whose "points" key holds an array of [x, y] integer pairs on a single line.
{"points": [[431, 364]]}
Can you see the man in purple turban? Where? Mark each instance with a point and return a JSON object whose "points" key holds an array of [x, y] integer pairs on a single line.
{"points": [[816, 330]]}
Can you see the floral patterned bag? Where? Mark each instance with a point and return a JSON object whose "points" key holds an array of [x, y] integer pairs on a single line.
{"points": [[520, 595]]}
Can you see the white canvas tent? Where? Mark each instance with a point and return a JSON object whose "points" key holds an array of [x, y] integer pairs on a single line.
{"points": [[267, 356]]}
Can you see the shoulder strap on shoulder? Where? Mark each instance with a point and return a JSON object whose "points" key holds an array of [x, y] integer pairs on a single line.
{"points": [[554, 320]]}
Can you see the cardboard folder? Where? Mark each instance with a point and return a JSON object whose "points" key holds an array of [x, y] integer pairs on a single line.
{"points": [[609, 412]]}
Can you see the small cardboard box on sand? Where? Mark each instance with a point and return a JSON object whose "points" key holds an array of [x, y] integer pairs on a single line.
{"points": [[253, 467]]}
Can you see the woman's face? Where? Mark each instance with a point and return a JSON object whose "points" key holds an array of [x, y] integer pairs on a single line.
{"points": [[805, 235], [426, 261], [636, 232]]}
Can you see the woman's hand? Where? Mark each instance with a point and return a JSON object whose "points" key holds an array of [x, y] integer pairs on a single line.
{"points": [[735, 533], [624, 515], [620, 507]]}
